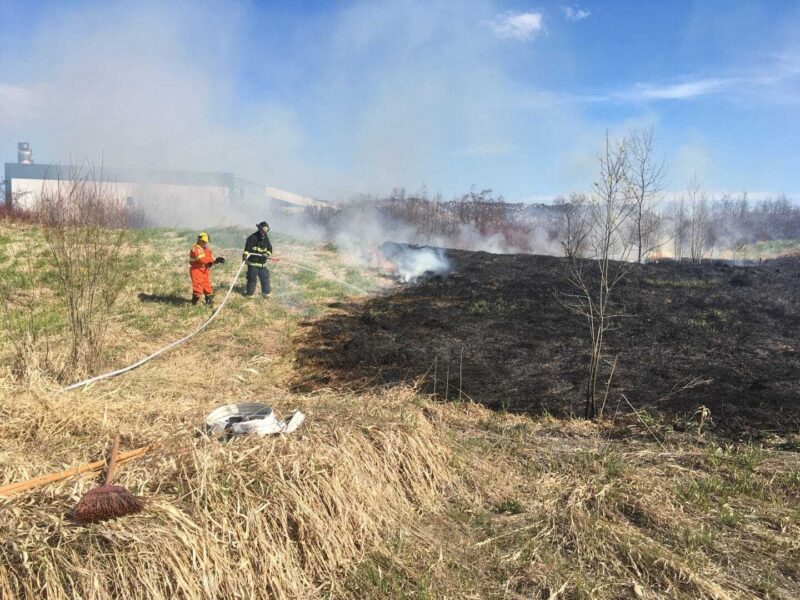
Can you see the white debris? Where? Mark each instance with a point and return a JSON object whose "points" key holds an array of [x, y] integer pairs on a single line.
{"points": [[295, 422], [265, 426], [248, 419], [268, 425]]}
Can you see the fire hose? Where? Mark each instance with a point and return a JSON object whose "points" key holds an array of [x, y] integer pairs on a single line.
{"points": [[342, 281], [150, 357], [213, 316]]}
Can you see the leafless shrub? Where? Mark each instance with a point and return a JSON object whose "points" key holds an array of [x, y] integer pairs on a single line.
{"points": [[84, 228], [11, 209], [593, 281], [481, 210]]}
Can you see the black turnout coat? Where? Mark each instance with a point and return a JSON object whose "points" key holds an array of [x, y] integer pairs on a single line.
{"points": [[258, 246]]}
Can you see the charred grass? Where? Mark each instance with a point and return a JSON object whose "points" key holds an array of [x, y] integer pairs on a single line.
{"points": [[494, 330]]}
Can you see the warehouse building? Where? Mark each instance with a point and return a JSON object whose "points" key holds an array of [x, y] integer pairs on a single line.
{"points": [[165, 197]]}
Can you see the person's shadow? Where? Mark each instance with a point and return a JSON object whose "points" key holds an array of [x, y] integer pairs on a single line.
{"points": [[164, 299]]}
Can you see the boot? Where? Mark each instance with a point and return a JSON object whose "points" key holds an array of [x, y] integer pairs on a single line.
{"points": [[195, 299], [210, 300]]}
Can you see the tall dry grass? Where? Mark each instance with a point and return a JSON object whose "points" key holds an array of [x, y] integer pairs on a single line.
{"points": [[284, 517]]}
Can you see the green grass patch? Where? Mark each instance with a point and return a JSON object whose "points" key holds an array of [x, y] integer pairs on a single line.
{"points": [[681, 283], [378, 576], [318, 288], [36, 321], [479, 308], [735, 475], [699, 538], [510, 506]]}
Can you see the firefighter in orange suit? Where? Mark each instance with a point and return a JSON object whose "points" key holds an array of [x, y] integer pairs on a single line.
{"points": [[201, 259]]}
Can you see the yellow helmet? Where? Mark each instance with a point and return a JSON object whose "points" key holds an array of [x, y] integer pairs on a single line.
{"points": [[203, 236]]}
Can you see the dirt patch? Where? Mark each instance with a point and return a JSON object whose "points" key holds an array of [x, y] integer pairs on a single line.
{"points": [[493, 330]]}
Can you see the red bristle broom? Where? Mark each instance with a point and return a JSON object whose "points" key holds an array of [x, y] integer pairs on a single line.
{"points": [[107, 501]]}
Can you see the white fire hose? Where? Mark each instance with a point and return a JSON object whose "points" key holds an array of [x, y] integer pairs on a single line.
{"points": [[165, 348], [213, 316]]}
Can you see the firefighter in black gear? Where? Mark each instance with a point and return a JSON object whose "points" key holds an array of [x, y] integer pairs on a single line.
{"points": [[257, 249]]}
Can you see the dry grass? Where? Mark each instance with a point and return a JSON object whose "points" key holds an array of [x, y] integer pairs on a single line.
{"points": [[274, 517], [603, 511], [381, 493]]}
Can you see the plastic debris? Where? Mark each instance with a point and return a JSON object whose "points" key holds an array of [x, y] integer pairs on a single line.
{"points": [[249, 418]]}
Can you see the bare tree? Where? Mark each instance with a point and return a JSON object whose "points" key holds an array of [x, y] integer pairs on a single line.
{"points": [[593, 281], [653, 228], [645, 180], [680, 228], [699, 232], [573, 228]]}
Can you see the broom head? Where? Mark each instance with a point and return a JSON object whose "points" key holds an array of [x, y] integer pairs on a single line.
{"points": [[107, 502]]}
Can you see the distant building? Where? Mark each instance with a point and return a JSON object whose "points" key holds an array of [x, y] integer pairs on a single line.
{"points": [[166, 197]]}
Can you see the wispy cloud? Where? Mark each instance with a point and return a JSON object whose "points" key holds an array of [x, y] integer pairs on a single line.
{"points": [[675, 91], [775, 81], [574, 13], [522, 26]]}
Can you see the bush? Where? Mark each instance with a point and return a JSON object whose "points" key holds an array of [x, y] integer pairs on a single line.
{"points": [[8, 212], [85, 237]]}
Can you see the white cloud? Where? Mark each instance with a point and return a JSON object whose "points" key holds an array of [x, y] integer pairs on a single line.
{"points": [[776, 82], [517, 26], [680, 91], [573, 13]]}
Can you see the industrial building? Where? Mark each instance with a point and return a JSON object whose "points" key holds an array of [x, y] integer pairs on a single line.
{"points": [[165, 197]]}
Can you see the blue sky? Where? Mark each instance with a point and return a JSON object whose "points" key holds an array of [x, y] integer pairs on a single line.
{"points": [[337, 98]]}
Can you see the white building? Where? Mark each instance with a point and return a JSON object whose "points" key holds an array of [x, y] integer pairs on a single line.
{"points": [[166, 197]]}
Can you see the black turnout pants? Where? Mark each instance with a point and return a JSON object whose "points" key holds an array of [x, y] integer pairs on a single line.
{"points": [[257, 273]]}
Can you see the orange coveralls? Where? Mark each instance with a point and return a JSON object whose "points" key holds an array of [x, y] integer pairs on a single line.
{"points": [[200, 261]]}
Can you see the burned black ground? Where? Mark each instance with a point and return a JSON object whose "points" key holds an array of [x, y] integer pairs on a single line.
{"points": [[493, 330]]}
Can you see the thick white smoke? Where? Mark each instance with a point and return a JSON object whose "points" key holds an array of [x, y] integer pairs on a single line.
{"points": [[360, 98], [410, 263]]}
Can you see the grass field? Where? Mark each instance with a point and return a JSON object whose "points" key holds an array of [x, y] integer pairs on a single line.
{"points": [[382, 493]]}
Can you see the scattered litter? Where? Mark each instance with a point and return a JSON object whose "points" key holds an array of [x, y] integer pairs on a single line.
{"points": [[249, 418]]}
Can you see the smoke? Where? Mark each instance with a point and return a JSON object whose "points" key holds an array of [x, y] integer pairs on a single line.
{"points": [[359, 98], [410, 263]]}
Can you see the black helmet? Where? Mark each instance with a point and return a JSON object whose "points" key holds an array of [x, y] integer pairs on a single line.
{"points": [[263, 224]]}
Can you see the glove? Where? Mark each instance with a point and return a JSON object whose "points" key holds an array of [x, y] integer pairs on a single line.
{"points": [[219, 260]]}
